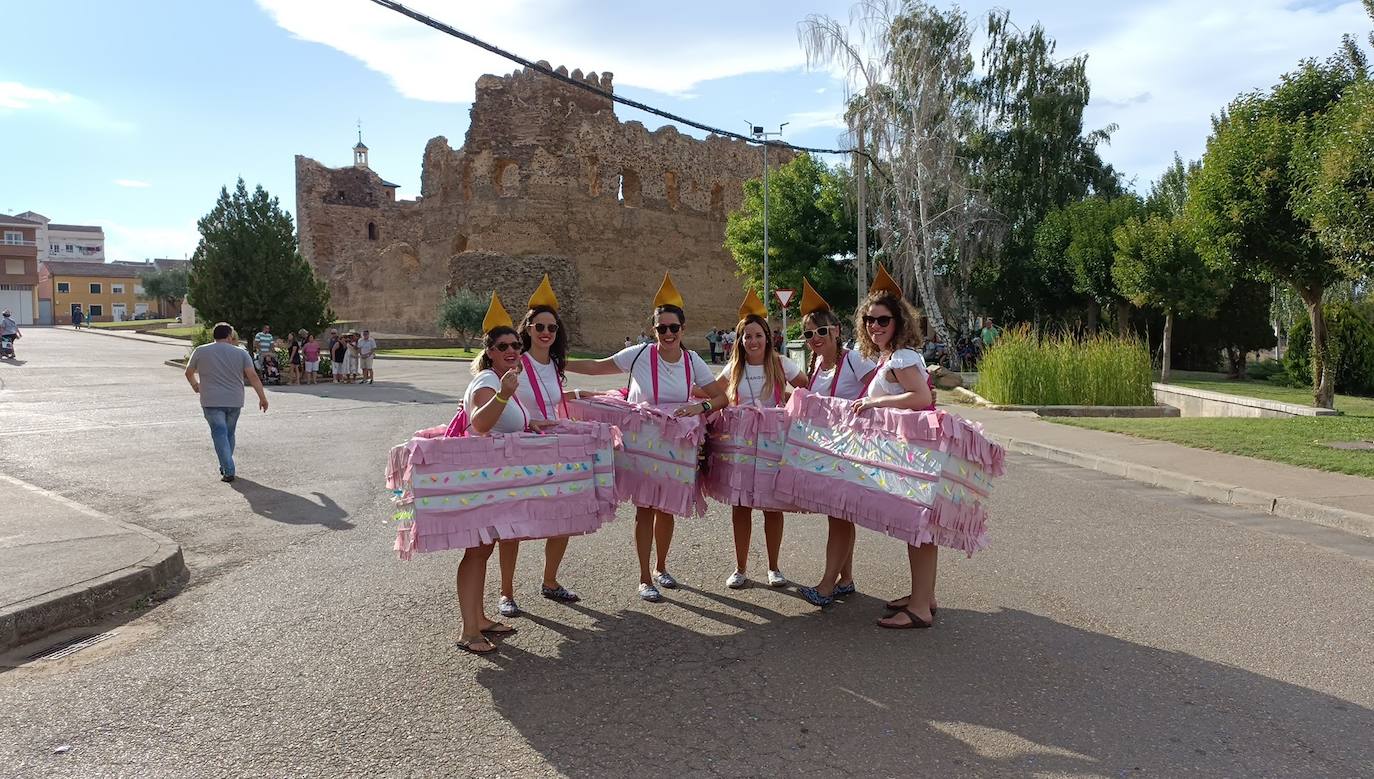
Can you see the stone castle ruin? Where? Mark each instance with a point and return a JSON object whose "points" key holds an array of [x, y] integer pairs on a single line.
{"points": [[548, 180]]}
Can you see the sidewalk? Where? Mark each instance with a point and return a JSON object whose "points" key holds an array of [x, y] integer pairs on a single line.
{"points": [[155, 339], [62, 562], [1332, 499]]}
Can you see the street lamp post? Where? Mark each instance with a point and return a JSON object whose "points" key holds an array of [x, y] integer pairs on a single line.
{"points": [[757, 132]]}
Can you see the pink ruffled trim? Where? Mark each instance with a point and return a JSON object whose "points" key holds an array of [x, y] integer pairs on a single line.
{"points": [[961, 526], [750, 482], [641, 419], [938, 430], [434, 531]]}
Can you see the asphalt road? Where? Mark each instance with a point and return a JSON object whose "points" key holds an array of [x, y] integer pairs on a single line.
{"points": [[1113, 629]]}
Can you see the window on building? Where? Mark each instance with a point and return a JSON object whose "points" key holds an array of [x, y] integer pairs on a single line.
{"points": [[14, 267], [64, 287], [371, 231], [138, 290], [116, 289], [95, 288], [70, 248], [54, 248], [14, 236], [97, 310]]}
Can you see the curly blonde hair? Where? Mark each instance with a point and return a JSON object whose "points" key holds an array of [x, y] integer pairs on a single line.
{"points": [[905, 336]]}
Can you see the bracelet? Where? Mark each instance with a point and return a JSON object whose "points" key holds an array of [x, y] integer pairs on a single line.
{"points": [[501, 400]]}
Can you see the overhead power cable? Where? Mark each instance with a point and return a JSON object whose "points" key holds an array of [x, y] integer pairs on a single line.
{"points": [[430, 21]]}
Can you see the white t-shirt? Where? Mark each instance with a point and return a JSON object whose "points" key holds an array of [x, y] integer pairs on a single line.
{"points": [[672, 378], [853, 368], [546, 374], [885, 382], [513, 418], [751, 385]]}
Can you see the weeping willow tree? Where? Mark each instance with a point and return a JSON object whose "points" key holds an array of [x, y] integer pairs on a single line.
{"points": [[908, 71]]}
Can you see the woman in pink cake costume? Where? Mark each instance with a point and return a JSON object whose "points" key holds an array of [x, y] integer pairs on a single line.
{"points": [[492, 407], [757, 377], [836, 372], [662, 374], [540, 392], [887, 332]]}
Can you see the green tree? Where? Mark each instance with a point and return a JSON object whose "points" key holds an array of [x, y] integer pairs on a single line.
{"points": [[462, 313], [1241, 323], [1169, 194], [1242, 200], [247, 271], [166, 287], [811, 230], [1157, 266], [1334, 156], [1031, 154], [1077, 242]]}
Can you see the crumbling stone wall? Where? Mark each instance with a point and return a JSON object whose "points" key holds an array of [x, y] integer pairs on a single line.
{"points": [[547, 180]]}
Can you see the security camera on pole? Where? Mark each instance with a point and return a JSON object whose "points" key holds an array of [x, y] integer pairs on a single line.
{"points": [[757, 132]]}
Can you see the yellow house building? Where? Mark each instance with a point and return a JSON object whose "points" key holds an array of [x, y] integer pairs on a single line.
{"points": [[104, 292]]}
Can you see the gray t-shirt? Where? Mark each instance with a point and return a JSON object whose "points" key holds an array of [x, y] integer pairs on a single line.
{"points": [[221, 367], [8, 326]]}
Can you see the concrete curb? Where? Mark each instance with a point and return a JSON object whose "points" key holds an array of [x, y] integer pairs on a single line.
{"points": [[1216, 492], [30, 620], [165, 340]]}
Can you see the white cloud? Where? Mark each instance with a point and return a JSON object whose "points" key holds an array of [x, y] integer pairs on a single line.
{"points": [[132, 183], [141, 242], [816, 120], [63, 106], [653, 46], [1165, 68]]}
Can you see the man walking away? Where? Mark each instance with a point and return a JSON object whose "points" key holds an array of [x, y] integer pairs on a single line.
{"points": [[224, 369], [713, 341], [77, 316], [367, 348]]}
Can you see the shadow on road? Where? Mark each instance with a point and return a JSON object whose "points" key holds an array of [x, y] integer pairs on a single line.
{"points": [[292, 509], [1008, 692]]}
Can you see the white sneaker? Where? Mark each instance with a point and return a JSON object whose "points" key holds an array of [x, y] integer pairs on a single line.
{"points": [[736, 581], [776, 579]]}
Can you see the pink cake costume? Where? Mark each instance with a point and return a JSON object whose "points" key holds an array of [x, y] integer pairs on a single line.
{"points": [[657, 464], [745, 440], [919, 476], [455, 490]]}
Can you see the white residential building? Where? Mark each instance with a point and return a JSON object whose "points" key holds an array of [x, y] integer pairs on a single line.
{"points": [[69, 243]]}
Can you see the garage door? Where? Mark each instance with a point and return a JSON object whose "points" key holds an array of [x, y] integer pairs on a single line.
{"points": [[20, 304]]}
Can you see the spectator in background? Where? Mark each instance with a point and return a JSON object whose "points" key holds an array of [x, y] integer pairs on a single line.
{"points": [[77, 316], [644, 339], [367, 349], [713, 342], [351, 357], [989, 333], [293, 359], [777, 342], [264, 340], [338, 353], [628, 342], [311, 353], [223, 369]]}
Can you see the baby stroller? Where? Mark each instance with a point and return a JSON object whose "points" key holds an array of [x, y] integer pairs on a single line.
{"points": [[268, 369], [7, 347]]}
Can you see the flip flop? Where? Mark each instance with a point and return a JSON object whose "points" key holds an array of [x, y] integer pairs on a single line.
{"points": [[466, 646], [892, 605], [498, 629], [916, 622]]}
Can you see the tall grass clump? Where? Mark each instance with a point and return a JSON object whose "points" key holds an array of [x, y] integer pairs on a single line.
{"points": [[1025, 368]]}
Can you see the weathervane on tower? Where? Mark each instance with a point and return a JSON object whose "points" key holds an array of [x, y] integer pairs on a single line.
{"points": [[360, 151]]}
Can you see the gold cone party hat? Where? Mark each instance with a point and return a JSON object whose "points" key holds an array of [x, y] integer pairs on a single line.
{"points": [[811, 300], [667, 294], [496, 316], [752, 305], [884, 282], [543, 296]]}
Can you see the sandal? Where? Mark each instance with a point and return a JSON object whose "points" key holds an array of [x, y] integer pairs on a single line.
{"points": [[498, 629], [894, 605], [916, 622], [467, 645], [560, 593]]}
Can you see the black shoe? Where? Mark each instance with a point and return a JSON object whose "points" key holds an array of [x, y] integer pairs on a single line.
{"points": [[228, 477]]}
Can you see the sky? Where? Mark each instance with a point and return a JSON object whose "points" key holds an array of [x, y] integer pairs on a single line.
{"points": [[131, 115]]}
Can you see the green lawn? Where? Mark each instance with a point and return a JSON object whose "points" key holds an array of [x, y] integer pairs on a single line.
{"points": [[1296, 441], [130, 325], [178, 332]]}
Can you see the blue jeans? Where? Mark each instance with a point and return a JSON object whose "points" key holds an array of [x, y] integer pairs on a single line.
{"points": [[223, 420]]}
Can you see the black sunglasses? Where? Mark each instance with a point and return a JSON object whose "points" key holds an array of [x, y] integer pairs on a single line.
{"points": [[667, 329], [880, 321], [822, 331], [540, 327], [506, 346]]}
